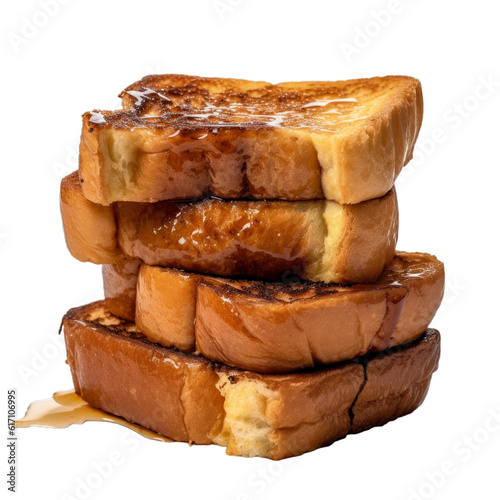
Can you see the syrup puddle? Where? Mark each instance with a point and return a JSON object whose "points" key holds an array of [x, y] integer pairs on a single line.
{"points": [[66, 408]]}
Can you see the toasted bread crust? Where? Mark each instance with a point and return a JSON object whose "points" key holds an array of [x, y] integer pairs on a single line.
{"points": [[382, 377], [317, 240], [181, 137], [280, 327], [188, 398], [89, 228]]}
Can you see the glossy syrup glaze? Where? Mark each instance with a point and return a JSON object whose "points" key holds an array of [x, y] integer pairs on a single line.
{"points": [[244, 238], [67, 408], [290, 290], [402, 272], [194, 103], [407, 268], [181, 137]]}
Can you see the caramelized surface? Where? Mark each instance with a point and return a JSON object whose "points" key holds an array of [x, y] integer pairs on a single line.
{"points": [[317, 240], [264, 239], [194, 103], [282, 327], [181, 137], [404, 270], [187, 398]]}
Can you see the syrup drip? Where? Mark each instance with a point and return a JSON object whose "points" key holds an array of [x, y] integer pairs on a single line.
{"points": [[66, 408]]}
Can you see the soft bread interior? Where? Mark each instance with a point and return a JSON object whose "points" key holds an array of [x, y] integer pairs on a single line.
{"points": [[334, 218], [121, 152], [246, 430], [360, 240]]}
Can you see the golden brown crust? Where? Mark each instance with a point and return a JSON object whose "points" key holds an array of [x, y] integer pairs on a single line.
{"points": [[181, 137], [425, 285], [368, 241], [403, 383], [89, 229], [362, 164], [177, 313], [187, 398], [280, 327], [313, 240], [252, 238]]}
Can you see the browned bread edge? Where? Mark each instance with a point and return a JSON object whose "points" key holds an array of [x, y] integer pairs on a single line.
{"points": [[124, 157], [188, 398]]}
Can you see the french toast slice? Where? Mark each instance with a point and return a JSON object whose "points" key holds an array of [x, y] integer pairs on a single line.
{"points": [[183, 137], [188, 398], [316, 240], [272, 327]]}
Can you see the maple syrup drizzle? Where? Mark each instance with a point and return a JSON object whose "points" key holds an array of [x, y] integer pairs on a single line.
{"points": [[67, 408]]}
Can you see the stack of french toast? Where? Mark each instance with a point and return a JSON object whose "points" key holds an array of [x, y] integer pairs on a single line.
{"points": [[254, 297]]}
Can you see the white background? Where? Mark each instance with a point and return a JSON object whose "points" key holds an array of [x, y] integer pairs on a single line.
{"points": [[449, 197]]}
